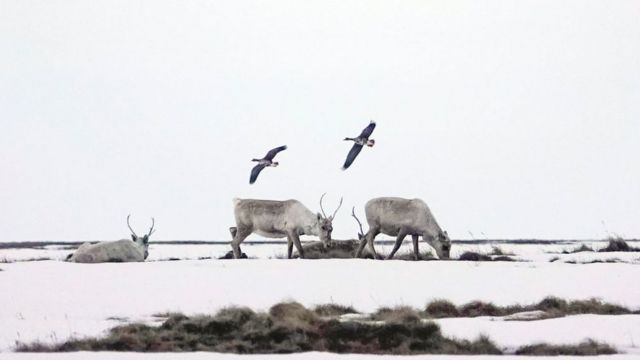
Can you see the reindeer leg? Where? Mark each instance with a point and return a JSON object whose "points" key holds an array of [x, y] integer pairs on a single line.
{"points": [[416, 252], [296, 241], [371, 235], [240, 235], [363, 242], [289, 247], [399, 239]]}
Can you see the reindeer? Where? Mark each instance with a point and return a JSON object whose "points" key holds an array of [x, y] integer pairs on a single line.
{"points": [[402, 217], [279, 219], [115, 251]]}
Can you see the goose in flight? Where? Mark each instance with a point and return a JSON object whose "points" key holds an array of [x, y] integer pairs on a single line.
{"points": [[359, 141], [264, 162]]}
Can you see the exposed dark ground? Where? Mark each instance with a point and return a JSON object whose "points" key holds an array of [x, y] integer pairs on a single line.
{"points": [[291, 328]]}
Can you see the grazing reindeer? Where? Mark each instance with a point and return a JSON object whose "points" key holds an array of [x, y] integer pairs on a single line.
{"points": [[402, 217], [115, 251], [279, 219]]}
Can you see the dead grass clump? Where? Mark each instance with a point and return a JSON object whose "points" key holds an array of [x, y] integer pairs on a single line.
{"points": [[618, 244], [337, 249], [582, 248], [497, 251], [400, 314], [294, 315], [229, 256], [552, 306], [441, 309], [398, 339], [333, 310], [239, 315], [480, 308], [286, 328], [474, 256], [595, 306], [587, 348]]}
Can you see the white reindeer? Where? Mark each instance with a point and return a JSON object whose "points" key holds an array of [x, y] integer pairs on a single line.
{"points": [[402, 217], [279, 219], [115, 251]]}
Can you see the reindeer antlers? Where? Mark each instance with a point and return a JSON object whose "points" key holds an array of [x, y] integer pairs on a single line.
{"points": [[153, 223], [353, 213], [339, 206], [151, 230], [335, 212], [129, 225], [321, 208]]}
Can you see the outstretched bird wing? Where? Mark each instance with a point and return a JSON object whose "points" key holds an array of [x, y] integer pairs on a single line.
{"points": [[273, 152], [368, 130], [255, 172], [353, 153]]}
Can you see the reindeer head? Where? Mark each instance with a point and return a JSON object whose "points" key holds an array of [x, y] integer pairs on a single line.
{"points": [[143, 241], [442, 244], [325, 223]]}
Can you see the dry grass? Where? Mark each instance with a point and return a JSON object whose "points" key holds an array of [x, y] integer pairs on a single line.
{"points": [[581, 248], [474, 256], [552, 306], [400, 314], [618, 244], [286, 328], [291, 327], [346, 249], [333, 310], [587, 348]]}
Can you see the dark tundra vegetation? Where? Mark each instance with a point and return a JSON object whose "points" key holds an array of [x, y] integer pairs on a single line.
{"points": [[614, 245], [550, 307], [286, 328], [345, 249], [290, 328]]}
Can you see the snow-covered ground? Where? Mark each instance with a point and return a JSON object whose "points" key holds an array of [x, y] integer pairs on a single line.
{"points": [[524, 252], [52, 300]]}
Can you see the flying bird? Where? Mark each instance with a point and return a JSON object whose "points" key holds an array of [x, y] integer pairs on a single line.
{"points": [[360, 141], [264, 162]]}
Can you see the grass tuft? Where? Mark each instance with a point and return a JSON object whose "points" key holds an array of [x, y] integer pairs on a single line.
{"points": [[286, 328], [582, 248], [400, 314], [587, 348], [441, 309], [618, 245], [333, 310]]}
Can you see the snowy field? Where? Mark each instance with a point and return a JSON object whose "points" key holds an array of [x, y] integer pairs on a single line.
{"points": [[51, 300], [526, 252]]}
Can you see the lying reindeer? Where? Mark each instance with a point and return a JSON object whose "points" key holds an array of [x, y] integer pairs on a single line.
{"points": [[402, 217], [115, 251], [279, 219]]}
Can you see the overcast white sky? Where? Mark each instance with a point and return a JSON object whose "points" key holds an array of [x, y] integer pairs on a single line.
{"points": [[516, 119]]}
